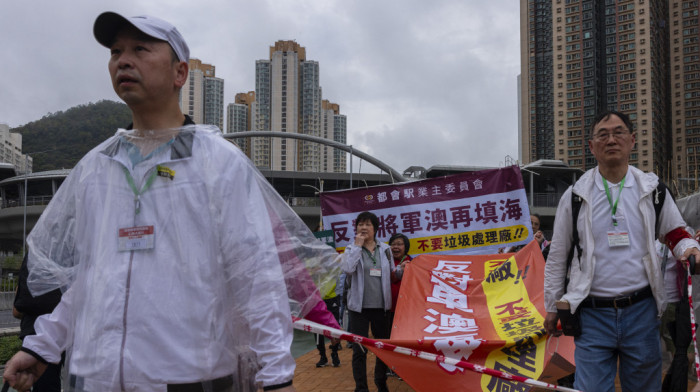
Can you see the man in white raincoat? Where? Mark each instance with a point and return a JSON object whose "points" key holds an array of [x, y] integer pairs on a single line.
{"points": [[169, 245]]}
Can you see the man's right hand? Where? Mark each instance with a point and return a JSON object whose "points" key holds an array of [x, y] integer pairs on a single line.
{"points": [[22, 371], [550, 324]]}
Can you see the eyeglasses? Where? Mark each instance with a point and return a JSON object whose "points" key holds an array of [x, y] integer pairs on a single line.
{"points": [[604, 136]]}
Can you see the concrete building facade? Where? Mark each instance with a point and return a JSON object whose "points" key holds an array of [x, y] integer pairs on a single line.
{"points": [[639, 57], [288, 98], [240, 118], [685, 93], [214, 101], [202, 96], [11, 150], [536, 91]]}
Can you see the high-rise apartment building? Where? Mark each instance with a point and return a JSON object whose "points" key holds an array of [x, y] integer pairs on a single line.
{"points": [[239, 118], [288, 99], [11, 150], [202, 96], [537, 95], [685, 92], [333, 127], [640, 57], [214, 101]]}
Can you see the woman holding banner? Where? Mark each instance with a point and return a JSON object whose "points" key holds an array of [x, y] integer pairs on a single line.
{"points": [[368, 266], [400, 245]]}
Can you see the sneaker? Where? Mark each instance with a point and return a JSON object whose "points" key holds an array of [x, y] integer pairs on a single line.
{"points": [[391, 373], [323, 362], [335, 359]]}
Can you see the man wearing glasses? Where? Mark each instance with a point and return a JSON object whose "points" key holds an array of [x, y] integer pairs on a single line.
{"points": [[615, 288]]}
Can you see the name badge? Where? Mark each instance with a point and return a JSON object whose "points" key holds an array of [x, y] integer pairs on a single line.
{"points": [[618, 238], [136, 238], [375, 272]]}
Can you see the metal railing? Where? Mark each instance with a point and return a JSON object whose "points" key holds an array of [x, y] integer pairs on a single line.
{"points": [[546, 199], [8, 288], [304, 201], [31, 201]]}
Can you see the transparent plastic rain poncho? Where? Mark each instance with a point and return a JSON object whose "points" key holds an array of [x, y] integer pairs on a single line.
{"points": [[212, 297]]}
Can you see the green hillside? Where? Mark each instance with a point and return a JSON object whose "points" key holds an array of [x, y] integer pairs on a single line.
{"points": [[71, 134]]}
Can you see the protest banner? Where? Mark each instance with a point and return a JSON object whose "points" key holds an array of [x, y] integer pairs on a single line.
{"points": [[310, 326], [475, 212], [484, 309]]}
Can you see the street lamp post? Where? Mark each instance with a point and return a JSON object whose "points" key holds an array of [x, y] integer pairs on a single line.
{"points": [[351, 166], [318, 192], [26, 175], [24, 227]]}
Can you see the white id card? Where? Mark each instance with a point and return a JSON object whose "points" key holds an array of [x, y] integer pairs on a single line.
{"points": [[618, 238], [375, 272], [136, 238], [618, 234]]}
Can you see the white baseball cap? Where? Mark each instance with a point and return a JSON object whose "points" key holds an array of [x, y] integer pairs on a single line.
{"points": [[108, 24]]}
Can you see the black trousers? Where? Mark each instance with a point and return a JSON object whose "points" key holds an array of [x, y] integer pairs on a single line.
{"points": [[359, 324], [676, 379], [333, 306], [222, 384]]}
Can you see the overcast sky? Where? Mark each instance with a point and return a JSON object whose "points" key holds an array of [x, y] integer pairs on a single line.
{"points": [[421, 82]]}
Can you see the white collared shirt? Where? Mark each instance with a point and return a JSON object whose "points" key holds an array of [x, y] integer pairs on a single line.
{"points": [[618, 270]]}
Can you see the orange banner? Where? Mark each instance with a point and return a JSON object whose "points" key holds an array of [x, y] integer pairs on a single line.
{"points": [[487, 310]]}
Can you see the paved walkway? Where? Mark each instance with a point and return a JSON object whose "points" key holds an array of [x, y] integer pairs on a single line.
{"points": [[308, 377]]}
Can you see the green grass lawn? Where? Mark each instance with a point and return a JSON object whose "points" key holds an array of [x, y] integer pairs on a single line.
{"points": [[9, 345]]}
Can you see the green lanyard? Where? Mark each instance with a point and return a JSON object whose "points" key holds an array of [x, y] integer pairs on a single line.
{"points": [[607, 193], [137, 193], [374, 261]]}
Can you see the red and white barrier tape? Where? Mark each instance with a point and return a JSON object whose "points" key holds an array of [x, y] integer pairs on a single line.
{"points": [[310, 326], [692, 320]]}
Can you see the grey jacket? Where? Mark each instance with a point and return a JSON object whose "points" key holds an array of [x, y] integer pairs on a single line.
{"points": [[351, 263]]}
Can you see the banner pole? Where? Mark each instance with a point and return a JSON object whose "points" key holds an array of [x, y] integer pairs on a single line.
{"points": [[692, 319], [310, 326]]}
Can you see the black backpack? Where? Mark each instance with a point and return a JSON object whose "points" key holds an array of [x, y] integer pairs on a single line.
{"points": [[30, 306]]}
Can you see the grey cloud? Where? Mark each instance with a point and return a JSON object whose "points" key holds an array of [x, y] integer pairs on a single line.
{"points": [[422, 83]]}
